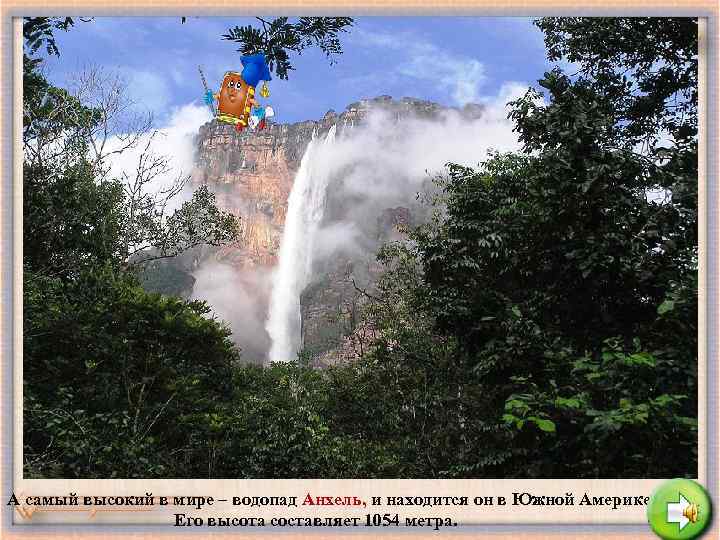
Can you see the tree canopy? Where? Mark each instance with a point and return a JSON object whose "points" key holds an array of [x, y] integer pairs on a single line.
{"points": [[108, 368], [567, 294], [39, 31], [278, 38]]}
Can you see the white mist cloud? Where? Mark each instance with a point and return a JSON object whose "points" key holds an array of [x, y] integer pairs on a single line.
{"points": [[382, 163], [385, 163], [174, 140], [459, 75], [496, 106], [341, 237], [237, 298], [148, 89]]}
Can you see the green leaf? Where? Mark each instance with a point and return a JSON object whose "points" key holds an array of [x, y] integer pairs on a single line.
{"points": [[567, 403], [642, 358], [545, 425], [667, 305]]}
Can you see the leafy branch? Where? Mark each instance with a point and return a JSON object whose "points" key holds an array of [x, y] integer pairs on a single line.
{"points": [[276, 38], [40, 30]]}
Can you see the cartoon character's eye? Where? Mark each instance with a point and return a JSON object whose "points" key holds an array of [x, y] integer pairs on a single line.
{"points": [[231, 84]]}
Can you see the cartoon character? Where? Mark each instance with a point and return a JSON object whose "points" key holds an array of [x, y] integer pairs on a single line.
{"points": [[236, 97], [257, 114], [269, 113], [257, 120]]}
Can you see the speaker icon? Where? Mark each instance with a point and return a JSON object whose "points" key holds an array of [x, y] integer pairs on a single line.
{"points": [[682, 512], [679, 509], [691, 512]]}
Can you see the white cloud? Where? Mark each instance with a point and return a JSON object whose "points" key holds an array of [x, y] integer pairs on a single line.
{"points": [[459, 75], [175, 140], [496, 106], [148, 90], [186, 120], [177, 76]]}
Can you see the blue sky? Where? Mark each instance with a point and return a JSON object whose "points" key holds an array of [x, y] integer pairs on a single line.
{"points": [[450, 60]]}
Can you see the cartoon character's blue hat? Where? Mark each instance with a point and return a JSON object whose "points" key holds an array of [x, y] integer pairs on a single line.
{"points": [[255, 69]]}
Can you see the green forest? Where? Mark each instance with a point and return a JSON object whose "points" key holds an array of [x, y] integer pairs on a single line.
{"points": [[542, 324]]}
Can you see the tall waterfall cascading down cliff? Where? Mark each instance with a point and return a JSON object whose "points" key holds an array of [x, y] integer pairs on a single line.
{"points": [[306, 206], [307, 237]]}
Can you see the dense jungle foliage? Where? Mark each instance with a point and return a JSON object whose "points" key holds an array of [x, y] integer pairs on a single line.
{"points": [[542, 325]]}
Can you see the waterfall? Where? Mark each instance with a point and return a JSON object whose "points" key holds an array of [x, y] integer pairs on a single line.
{"points": [[306, 206]]}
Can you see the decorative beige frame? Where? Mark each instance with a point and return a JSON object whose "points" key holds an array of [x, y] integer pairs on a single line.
{"points": [[29, 522]]}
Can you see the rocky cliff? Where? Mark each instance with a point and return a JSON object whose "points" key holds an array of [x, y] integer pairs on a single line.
{"points": [[252, 174]]}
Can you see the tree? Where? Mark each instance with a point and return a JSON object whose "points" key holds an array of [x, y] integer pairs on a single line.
{"points": [[646, 66], [569, 296], [111, 373], [548, 308], [279, 37], [108, 367], [40, 30], [70, 139], [648, 69]]}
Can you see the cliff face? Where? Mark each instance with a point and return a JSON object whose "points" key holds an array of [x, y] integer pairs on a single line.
{"points": [[252, 174], [332, 326]]}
